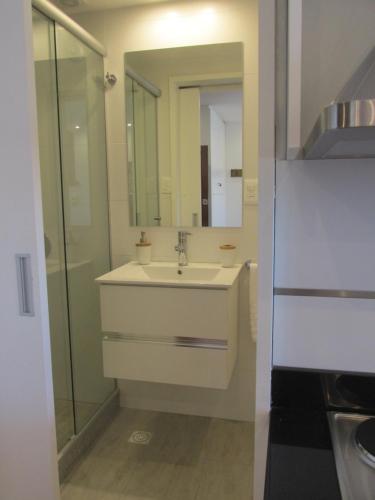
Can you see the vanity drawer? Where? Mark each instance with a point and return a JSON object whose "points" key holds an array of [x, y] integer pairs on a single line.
{"points": [[169, 364], [169, 312]]}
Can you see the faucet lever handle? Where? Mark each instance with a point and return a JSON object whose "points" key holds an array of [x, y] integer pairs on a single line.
{"points": [[182, 235]]}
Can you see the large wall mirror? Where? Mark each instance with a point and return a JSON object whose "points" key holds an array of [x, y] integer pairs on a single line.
{"points": [[184, 136]]}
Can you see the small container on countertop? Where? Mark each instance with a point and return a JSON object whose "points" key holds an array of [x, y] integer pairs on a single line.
{"points": [[143, 250], [227, 255]]}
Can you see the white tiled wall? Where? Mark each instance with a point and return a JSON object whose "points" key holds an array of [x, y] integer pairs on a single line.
{"points": [[146, 27], [169, 25]]}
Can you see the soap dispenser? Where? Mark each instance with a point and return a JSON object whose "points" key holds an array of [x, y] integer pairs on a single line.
{"points": [[143, 250]]}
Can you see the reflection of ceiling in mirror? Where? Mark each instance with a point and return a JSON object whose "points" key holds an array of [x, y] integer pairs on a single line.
{"points": [[213, 58], [227, 103], [75, 6]]}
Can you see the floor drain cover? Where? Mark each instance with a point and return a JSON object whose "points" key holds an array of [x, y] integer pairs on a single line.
{"points": [[140, 437]]}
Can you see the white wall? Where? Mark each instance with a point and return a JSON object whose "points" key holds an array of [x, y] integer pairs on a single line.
{"points": [[173, 24], [27, 426], [233, 143], [266, 138]]}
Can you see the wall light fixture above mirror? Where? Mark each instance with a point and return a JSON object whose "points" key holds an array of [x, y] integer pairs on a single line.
{"points": [[184, 136]]}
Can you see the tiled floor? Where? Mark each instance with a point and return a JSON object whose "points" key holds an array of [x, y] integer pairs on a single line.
{"points": [[188, 458]]}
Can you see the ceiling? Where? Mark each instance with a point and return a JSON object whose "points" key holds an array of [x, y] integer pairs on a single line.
{"points": [[227, 103], [75, 6]]}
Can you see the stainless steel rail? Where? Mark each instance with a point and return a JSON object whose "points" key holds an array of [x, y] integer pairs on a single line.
{"points": [[313, 292], [57, 15], [175, 341]]}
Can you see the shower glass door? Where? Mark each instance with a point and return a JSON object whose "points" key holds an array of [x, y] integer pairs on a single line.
{"points": [[71, 123], [50, 168], [80, 75]]}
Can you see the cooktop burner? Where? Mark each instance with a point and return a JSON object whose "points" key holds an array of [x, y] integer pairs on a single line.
{"points": [[357, 389], [365, 439], [353, 439], [349, 392]]}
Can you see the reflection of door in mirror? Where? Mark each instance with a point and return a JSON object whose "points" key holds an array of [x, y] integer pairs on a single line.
{"points": [[141, 118], [209, 146], [188, 158], [204, 185]]}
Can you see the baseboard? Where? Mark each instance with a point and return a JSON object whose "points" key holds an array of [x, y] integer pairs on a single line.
{"points": [[80, 443]]}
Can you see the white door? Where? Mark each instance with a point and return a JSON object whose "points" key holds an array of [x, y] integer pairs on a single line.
{"points": [[189, 159], [28, 469]]}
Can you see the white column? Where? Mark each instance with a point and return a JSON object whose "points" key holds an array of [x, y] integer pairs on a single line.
{"points": [[266, 244], [27, 428]]}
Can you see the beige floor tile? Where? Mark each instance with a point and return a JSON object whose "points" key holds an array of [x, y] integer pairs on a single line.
{"points": [[188, 458], [229, 442], [184, 483], [149, 481], [97, 478], [225, 482], [113, 443], [177, 439]]}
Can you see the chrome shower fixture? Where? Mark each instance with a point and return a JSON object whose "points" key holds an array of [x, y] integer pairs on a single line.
{"points": [[110, 80]]}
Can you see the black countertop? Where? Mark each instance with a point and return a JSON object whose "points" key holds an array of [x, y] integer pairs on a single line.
{"points": [[301, 464]]}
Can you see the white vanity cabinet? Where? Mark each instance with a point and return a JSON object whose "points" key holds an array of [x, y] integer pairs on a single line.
{"points": [[174, 330]]}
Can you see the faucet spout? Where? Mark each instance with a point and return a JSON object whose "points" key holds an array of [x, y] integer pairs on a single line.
{"points": [[181, 248]]}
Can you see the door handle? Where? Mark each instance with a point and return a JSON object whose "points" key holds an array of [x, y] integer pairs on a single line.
{"points": [[25, 285]]}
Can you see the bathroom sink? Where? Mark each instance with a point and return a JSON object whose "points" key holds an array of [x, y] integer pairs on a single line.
{"points": [[182, 274], [170, 274]]}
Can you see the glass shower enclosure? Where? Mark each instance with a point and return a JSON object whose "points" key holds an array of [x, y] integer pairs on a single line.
{"points": [[71, 125], [142, 140]]}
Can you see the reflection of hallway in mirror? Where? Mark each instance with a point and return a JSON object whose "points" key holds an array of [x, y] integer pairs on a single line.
{"points": [[221, 133]]}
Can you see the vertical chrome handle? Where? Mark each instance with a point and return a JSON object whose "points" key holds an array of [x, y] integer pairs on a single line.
{"points": [[25, 285]]}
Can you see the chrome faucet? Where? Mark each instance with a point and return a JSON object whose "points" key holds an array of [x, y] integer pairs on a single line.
{"points": [[181, 248]]}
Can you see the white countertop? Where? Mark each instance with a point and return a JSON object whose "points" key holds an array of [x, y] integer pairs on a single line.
{"points": [[195, 275]]}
